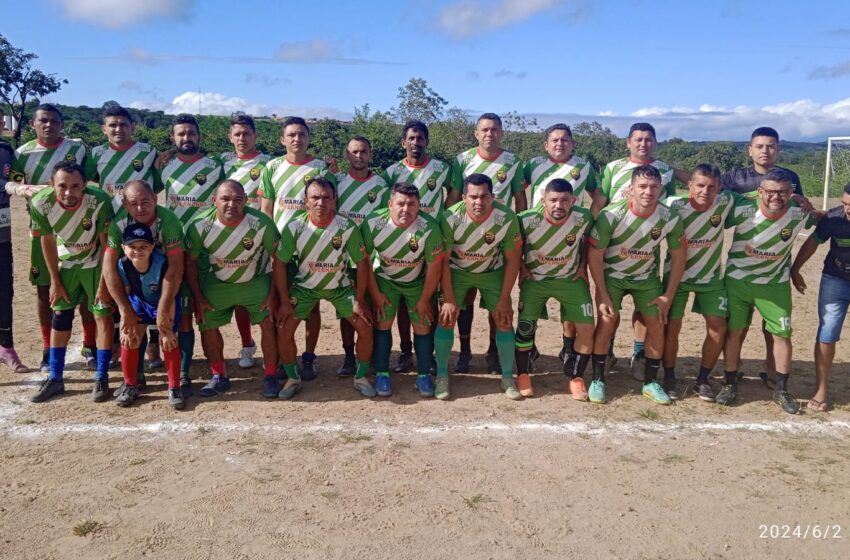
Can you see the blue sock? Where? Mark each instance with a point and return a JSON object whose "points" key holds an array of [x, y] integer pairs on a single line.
{"points": [[506, 344], [103, 359], [57, 363], [638, 346]]}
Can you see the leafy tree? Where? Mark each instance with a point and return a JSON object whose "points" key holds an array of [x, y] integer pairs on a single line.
{"points": [[449, 137], [597, 144], [328, 138], [383, 133], [417, 100]]}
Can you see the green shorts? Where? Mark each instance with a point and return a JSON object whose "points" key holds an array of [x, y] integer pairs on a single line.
{"points": [[573, 295], [489, 285], [39, 276], [186, 301], [396, 292], [773, 301], [709, 299], [225, 296], [304, 300], [642, 292], [79, 282]]}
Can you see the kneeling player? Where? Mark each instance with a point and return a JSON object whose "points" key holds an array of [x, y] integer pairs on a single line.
{"points": [[322, 243], [142, 271], [554, 266]]}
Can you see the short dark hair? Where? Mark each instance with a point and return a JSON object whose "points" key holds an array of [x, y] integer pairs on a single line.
{"points": [[363, 139], [68, 166], [185, 118], [322, 182], [777, 175], [558, 185], [641, 127], [707, 170], [288, 121], [231, 182], [559, 126], [645, 171], [405, 188], [847, 188], [143, 184], [765, 131], [116, 110], [48, 108], [417, 126], [489, 117], [478, 179], [245, 120]]}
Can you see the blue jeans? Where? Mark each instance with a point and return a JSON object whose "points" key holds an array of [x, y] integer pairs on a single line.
{"points": [[833, 299]]}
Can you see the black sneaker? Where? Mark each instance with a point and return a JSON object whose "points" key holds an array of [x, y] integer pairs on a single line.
{"points": [[462, 363], [727, 394], [348, 368], [787, 401], [670, 387], [493, 365], [128, 395], [176, 398], [405, 363], [100, 391], [186, 386], [48, 388], [704, 392], [308, 371]]}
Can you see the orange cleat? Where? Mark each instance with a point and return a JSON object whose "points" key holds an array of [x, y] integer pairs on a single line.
{"points": [[578, 390], [523, 383]]}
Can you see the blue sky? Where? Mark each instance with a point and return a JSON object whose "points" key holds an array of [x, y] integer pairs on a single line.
{"points": [[696, 70]]}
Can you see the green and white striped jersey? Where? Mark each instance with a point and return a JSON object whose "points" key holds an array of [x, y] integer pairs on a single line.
{"points": [[632, 243], [322, 251], [761, 246], [190, 185], [480, 246], [617, 176], [113, 168], [578, 171], [400, 254], [505, 170], [430, 178], [75, 229], [248, 171], [357, 198], [703, 231], [34, 162], [166, 228], [284, 182], [235, 253], [553, 250]]}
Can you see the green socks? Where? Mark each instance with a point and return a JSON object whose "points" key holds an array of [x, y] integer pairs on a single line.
{"points": [[443, 341], [506, 344]]}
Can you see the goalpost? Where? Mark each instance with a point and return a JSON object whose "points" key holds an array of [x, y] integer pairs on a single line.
{"points": [[837, 165]]}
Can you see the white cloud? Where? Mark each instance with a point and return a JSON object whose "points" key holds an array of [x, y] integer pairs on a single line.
{"points": [[213, 103], [117, 14], [469, 17]]}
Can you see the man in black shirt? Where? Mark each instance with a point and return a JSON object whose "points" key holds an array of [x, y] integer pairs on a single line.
{"points": [[834, 293], [764, 151], [8, 355]]}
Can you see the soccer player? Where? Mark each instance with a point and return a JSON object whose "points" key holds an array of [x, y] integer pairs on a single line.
{"points": [[8, 354], [282, 186], [433, 179], [322, 243], [834, 292], [506, 172], [703, 212], [764, 151], [360, 193], [142, 271], [407, 250], [237, 244], [625, 243], [139, 207], [485, 250], [555, 266], [34, 163], [757, 274], [189, 180], [71, 221]]}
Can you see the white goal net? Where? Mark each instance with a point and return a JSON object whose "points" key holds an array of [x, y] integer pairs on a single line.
{"points": [[837, 171]]}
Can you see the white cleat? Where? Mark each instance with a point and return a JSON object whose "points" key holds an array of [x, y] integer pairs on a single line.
{"points": [[246, 356]]}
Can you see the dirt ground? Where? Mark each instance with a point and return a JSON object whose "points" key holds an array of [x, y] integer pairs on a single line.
{"points": [[332, 475]]}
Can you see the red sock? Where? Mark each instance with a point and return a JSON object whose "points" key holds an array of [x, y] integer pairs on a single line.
{"points": [[217, 368], [45, 336], [130, 365], [172, 366], [270, 369], [243, 323], [90, 335]]}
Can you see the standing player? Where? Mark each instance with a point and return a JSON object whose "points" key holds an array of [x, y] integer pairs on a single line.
{"points": [[33, 165], [764, 151], [624, 251], [8, 354], [189, 181], [485, 246], [757, 274], [703, 212], [555, 266], [505, 170], [322, 243], [360, 193], [237, 244], [431, 177], [282, 187], [71, 220], [407, 248]]}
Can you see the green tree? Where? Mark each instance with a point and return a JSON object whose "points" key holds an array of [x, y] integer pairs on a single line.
{"points": [[383, 133], [328, 138], [597, 144], [451, 136], [417, 100]]}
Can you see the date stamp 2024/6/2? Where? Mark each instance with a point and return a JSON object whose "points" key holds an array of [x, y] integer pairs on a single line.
{"points": [[815, 531]]}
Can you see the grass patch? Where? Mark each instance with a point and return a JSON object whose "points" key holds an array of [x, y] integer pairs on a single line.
{"points": [[348, 437], [26, 421], [311, 443], [86, 528], [399, 445], [675, 459], [477, 501], [204, 430], [648, 414], [135, 462], [330, 494]]}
